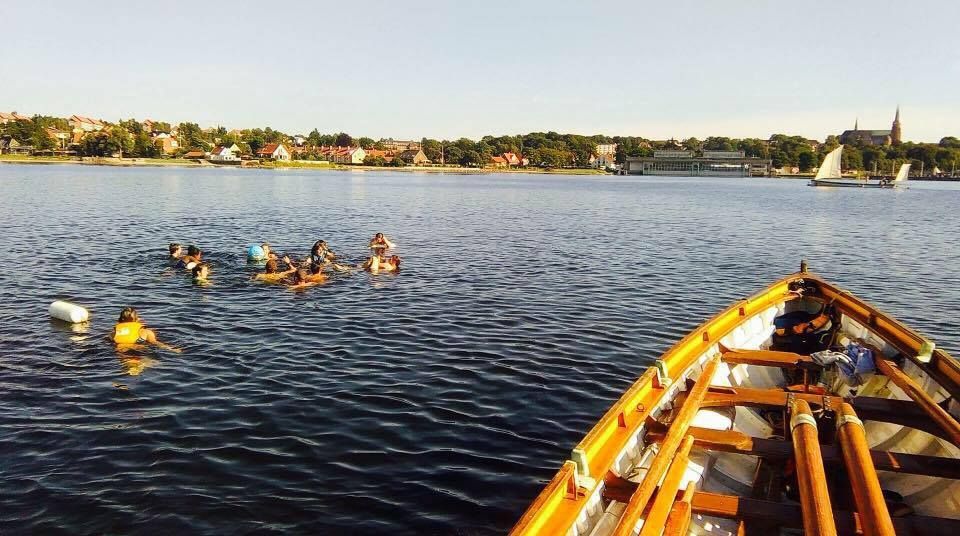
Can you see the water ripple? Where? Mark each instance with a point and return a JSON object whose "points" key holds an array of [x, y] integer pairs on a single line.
{"points": [[436, 401]]}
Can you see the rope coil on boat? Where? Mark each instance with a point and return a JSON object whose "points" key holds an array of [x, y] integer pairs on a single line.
{"points": [[802, 418], [851, 419]]}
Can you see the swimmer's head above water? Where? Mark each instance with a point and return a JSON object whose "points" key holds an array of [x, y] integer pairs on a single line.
{"points": [[201, 271], [176, 250], [128, 314]]}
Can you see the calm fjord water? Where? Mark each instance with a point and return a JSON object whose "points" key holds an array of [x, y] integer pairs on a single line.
{"points": [[436, 401]]}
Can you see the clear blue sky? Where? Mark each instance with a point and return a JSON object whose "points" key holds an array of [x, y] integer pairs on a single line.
{"points": [[408, 69]]}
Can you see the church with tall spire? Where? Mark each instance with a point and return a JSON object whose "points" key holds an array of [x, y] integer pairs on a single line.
{"points": [[895, 130], [873, 137]]}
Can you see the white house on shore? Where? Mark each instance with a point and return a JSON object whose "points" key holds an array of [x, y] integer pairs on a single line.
{"points": [[274, 151], [354, 155], [225, 154], [603, 161], [344, 155]]}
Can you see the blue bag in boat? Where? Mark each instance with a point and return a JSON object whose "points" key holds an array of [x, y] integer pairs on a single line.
{"points": [[860, 364]]}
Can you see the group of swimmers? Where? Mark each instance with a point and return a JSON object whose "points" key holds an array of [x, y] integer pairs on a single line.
{"points": [[308, 272]]}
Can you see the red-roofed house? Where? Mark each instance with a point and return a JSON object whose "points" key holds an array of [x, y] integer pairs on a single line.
{"points": [[512, 159], [498, 161], [166, 143], [86, 124], [14, 116], [387, 156], [274, 151]]}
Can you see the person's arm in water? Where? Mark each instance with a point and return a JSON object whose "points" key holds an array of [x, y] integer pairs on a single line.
{"points": [[151, 338]]}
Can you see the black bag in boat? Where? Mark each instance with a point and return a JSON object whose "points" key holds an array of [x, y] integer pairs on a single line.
{"points": [[802, 332]]}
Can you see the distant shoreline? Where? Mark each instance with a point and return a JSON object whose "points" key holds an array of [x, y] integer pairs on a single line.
{"points": [[179, 163]]}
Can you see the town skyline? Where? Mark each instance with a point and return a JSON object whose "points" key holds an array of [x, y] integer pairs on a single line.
{"points": [[689, 69], [866, 125]]}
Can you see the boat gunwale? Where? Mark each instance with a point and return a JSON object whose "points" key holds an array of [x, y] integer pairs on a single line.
{"points": [[699, 340]]}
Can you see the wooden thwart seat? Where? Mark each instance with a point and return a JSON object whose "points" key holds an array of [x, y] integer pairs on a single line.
{"points": [[766, 358]]}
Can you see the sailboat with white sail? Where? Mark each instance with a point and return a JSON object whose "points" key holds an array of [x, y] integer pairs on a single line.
{"points": [[829, 175]]}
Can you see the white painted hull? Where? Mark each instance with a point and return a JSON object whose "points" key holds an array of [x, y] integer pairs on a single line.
{"points": [[853, 183]]}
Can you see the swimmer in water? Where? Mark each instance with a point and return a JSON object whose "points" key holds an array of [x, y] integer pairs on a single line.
{"points": [[200, 272], [315, 275], [176, 251], [191, 259], [379, 263], [380, 243], [300, 280], [130, 331], [320, 254], [267, 254], [271, 275]]}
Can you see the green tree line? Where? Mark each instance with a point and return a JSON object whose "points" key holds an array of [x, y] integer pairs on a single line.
{"points": [[542, 149]]}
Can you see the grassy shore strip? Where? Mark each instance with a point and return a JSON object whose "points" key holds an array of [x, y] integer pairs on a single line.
{"points": [[126, 162], [169, 162]]}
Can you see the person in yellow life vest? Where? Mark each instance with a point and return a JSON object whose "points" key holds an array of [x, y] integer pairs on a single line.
{"points": [[271, 272], [129, 330]]}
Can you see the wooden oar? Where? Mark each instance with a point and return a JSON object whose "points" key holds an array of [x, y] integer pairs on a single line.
{"points": [[671, 442], [811, 478], [867, 495]]}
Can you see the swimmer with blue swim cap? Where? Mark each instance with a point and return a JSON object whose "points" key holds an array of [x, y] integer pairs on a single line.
{"points": [[255, 253], [260, 253]]}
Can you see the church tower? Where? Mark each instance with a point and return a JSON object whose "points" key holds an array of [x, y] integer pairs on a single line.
{"points": [[895, 130]]}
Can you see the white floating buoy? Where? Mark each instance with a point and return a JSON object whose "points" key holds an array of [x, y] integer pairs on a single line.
{"points": [[68, 312]]}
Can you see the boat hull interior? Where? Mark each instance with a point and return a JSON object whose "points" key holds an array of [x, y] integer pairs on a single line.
{"points": [[773, 431]]}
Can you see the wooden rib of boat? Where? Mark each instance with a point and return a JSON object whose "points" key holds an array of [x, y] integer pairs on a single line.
{"points": [[737, 429]]}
